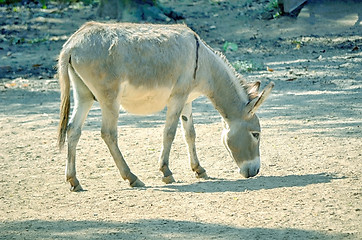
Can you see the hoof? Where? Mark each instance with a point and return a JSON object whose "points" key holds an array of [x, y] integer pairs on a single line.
{"points": [[168, 179], [137, 183], [202, 175], [77, 188]]}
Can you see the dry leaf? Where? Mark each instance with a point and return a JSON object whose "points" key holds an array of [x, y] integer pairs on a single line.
{"points": [[9, 85], [269, 69]]}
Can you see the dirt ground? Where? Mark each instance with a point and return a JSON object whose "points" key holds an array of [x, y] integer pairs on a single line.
{"points": [[309, 186]]}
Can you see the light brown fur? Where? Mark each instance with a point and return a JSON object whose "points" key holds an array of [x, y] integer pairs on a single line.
{"points": [[143, 68]]}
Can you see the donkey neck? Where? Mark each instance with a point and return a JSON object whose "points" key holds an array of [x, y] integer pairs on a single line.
{"points": [[225, 91]]}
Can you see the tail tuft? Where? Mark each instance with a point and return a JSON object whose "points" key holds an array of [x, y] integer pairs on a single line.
{"points": [[64, 82]]}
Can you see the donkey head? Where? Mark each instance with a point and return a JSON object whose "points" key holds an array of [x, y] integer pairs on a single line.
{"points": [[242, 138]]}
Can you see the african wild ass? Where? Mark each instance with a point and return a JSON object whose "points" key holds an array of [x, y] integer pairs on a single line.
{"points": [[143, 68]]}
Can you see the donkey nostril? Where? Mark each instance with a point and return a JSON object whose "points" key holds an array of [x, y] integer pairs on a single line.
{"points": [[252, 173]]}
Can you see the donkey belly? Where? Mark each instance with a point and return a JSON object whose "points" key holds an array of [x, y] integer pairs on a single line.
{"points": [[138, 100]]}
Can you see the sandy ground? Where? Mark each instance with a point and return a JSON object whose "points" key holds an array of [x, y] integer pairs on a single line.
{"points": [[309, 186]]}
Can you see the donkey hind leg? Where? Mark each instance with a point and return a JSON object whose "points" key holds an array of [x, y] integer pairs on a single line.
{"points": [[109, 135], [174, 108], [190, 135], [83, 101]]}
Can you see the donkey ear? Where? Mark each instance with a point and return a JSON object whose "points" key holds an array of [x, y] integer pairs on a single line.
{"points": [[253, 105], [253, 89]]}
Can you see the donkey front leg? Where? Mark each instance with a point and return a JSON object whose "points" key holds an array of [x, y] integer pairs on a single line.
{"points": [[190, 135], [174, 108], [109, 135]]}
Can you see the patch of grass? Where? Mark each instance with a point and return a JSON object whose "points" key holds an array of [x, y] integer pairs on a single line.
{"points": [[17, 41], [38, 40], [273, 4], [271, 10], [247, 66], [297, 44]]}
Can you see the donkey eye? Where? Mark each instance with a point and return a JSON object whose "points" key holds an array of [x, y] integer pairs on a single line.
{"points": [[256, 135]]}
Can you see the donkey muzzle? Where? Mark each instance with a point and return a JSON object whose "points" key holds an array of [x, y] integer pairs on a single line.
{"points": [[250, 168]]}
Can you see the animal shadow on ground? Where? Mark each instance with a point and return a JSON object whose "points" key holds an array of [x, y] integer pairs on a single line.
{"points": [[145, 229], [252, 184]]}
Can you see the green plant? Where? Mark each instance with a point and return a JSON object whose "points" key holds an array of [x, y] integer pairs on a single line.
{"points": [[38, 40], [247, 66], [229, 46], [9, 1], [297, 43], [273, 9], [273, 4], [16, 40]]}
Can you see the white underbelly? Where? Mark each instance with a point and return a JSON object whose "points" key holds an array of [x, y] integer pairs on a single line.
{"points": [[144, 101], [139, 100]]}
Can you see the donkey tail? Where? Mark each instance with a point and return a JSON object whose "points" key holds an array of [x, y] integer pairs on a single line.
{"points": [[63, 64]]}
